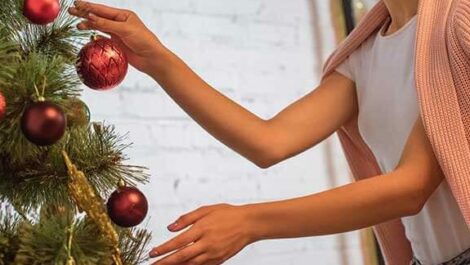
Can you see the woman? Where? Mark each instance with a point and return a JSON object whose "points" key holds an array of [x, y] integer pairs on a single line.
{"points": [[370, 85]]}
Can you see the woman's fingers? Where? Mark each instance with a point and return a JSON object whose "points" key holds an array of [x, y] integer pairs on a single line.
{"points": [[83, 8], [202, 259], [102, 24], [182, 256], [100, 17], [178, 242], [192, 217]]}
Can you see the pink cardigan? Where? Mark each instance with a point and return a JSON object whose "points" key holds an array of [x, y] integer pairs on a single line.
{"points": [[443, 84]]}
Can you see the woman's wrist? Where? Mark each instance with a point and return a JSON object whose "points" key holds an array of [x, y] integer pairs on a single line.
{"points": [[255, 227], [159, 60]]}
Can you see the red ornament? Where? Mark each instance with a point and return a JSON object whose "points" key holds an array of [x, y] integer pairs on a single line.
{"points": [[43, 123], [127, 206], [102, 64], [41, 11], [3, 107]]}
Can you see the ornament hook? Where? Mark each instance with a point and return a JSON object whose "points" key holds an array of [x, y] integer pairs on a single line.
{"points": [[40, 96]]}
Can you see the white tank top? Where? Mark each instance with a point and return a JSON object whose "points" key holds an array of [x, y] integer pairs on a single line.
{"points": [[383, 70]]}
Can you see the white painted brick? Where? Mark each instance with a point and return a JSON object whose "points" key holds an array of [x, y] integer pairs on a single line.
{"points": [[261, 54]]}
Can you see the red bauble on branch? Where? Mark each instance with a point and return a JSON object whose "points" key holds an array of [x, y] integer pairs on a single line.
{"points": [[127, 206], [43, 123], [3, 107], [41, 11], [102, 64]]}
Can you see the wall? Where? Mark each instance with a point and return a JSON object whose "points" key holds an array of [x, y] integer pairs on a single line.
{"points": [[261, 54]]}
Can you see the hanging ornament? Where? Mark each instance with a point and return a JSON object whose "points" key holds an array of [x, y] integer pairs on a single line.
{"points": [[41, 11], [78, 113], [102, 64], [127, 206], [43, 123], [3, 107]]}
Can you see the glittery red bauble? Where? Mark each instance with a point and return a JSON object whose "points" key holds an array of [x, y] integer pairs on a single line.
{"points": [[102, 64], [41, 11], [3, 107], [127, 206], [43, 123]]}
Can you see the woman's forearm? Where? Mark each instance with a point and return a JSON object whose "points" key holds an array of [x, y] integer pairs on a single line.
{"points": [[301, 125], [232, 124], [351, 207]]}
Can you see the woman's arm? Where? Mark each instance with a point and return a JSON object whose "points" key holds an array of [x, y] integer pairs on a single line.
{"points": [[219, 232], [402, 192], [300, 126], [264, 142]]}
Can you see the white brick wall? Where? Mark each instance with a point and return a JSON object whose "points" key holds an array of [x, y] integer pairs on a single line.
{"points": [[261, 54]]}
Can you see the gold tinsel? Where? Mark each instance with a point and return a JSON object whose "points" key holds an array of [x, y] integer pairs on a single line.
{"points": [[88, 201]]}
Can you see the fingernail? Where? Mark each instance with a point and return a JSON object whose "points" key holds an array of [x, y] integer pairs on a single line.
{"points": [[82, 26], [92, 17], [173, 226], [153, 253]]}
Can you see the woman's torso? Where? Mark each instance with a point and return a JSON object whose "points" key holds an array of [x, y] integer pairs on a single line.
{"points": [[383, 70]]}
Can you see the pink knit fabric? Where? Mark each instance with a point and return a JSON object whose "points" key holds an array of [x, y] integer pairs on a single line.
{"points": [[443, 85]]}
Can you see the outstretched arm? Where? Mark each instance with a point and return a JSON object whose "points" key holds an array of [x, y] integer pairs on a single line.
{"points": [[264, 142], [399, 193], [219, 232]]}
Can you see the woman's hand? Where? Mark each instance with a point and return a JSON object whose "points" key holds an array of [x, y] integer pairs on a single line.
{"points": [[216, 234], [139, 43]]}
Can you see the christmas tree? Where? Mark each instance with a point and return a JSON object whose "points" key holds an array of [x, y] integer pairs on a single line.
{"points": [[56, 167]]}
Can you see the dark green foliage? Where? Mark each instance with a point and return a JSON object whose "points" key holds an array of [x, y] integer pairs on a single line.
{"points": [[40, 61], [58, 39], [9, 241], [56, 237], [42, 177], [47, 242], [133, 244]]}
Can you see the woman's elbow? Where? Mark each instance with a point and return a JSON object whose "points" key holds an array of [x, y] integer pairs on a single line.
{"points": [[415, 207], [268, 157], [266, 161], [414, 202], [420, 189]]}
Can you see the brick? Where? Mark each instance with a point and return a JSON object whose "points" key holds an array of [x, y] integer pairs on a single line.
{"points": [[261, 54]]}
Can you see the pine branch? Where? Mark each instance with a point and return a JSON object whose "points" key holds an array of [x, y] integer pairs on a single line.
{"points": [[48, 240], [60, 38], [61, 85], [9, 57], [41, 177], [133, 245], [9, 240], [32, 177]]}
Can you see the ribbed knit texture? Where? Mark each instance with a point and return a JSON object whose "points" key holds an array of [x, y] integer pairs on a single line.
{"points": [[443, 86]]}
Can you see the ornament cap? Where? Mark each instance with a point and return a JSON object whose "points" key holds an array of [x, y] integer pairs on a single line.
{"points": [[95, 37], [98, 127], [121, 183], [41, 99]]}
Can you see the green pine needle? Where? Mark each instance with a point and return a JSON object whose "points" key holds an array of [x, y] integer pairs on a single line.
{"points": [[34, 179]]}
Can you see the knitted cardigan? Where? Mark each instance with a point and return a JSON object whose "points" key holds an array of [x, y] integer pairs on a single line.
{"points": [[442, 74]]}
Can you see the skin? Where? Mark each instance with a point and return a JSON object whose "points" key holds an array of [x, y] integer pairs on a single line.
{"points": [[212, 234]]}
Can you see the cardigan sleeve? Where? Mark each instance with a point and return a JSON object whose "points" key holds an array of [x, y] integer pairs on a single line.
{"points": [[461, 21]]}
